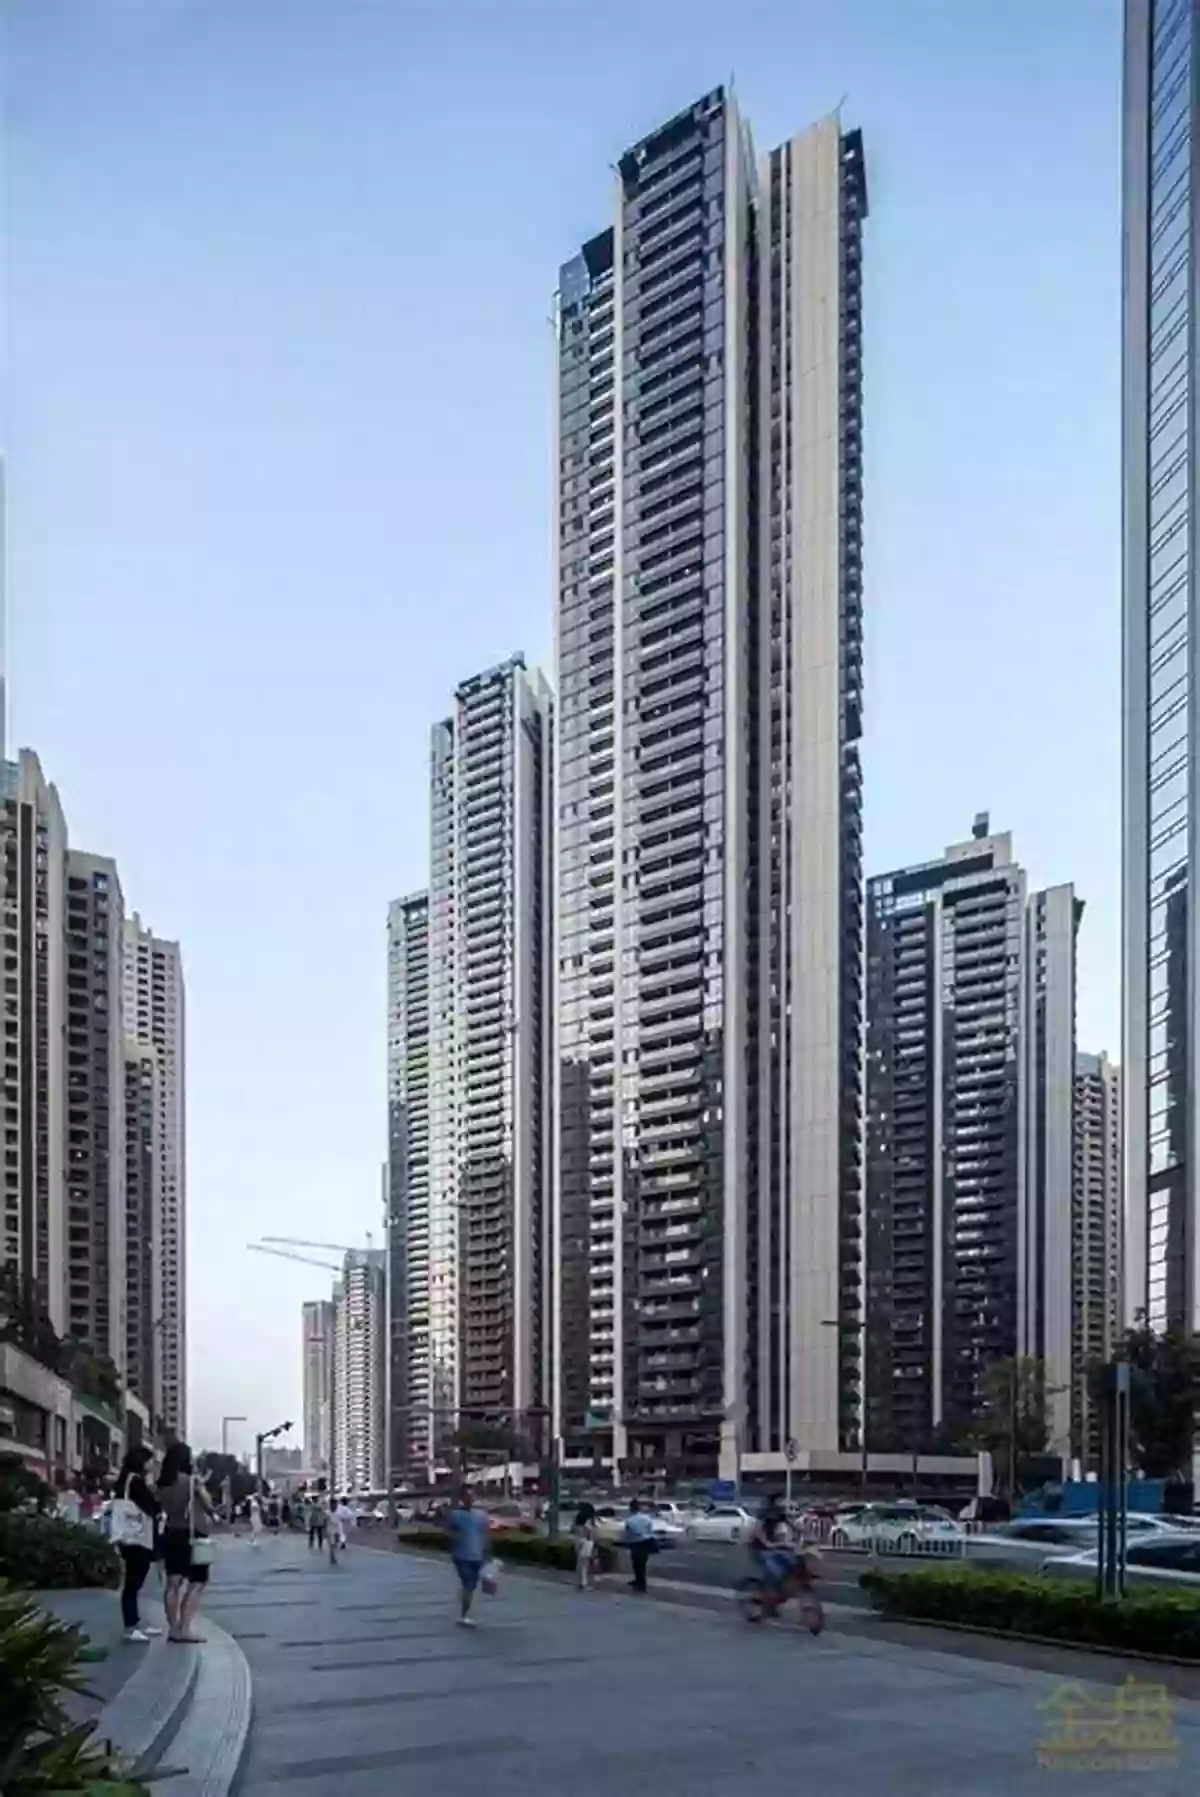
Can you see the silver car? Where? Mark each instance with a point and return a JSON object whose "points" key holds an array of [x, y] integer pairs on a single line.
{"points": [[1030, 1540], [1023, 1545], [1153, 1559]]}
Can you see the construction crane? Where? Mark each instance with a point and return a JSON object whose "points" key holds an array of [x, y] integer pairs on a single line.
{"points": [[305, 1260], [291, 1241]]}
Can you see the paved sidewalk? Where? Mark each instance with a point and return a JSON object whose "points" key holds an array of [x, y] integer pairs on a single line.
{"points": [[98, 1614], [363, 1686]]}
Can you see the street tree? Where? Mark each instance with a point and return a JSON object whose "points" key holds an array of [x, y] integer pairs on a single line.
{"points": [[1164, 1385], [1013, 1424]]}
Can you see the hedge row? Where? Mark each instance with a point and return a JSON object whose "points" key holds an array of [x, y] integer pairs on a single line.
{"points": [[1158, 1622], [557, 1551], [44, 1553]]}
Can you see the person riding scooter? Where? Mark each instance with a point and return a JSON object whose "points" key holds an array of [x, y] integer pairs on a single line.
{"points": [[773, 1544]]}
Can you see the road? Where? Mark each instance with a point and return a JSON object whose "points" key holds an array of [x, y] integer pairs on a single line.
{"points": [[364, 1687], [720, 1564]]}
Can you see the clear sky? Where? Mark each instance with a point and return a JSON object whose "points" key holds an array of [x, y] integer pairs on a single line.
{"points": [[276, 411]]}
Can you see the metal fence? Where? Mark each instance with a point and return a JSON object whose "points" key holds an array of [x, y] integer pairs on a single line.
{"points": [[825, 1531]]}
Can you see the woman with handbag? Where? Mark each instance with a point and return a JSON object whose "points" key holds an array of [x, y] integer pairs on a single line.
{"points": [[135, 1513], [186, 1547]]}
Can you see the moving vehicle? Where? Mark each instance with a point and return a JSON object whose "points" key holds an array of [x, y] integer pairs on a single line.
{"points": [[720, 1522], [759, 1600], [1029, 1541], [903, 1528], [1156, 1559]]}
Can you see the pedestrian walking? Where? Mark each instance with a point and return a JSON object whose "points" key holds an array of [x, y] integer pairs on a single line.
{"points": [[343, 1521], [256, 1522], [584, 1531], [639, 1539], [186, 1547], [135, 1515], [468, 1529], [316, 1520]]}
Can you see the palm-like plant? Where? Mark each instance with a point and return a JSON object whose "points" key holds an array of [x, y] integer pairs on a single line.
{"points": [[41, 1750]]}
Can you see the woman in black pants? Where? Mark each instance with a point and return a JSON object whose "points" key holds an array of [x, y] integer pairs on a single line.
{"points": [[135, 1517]]}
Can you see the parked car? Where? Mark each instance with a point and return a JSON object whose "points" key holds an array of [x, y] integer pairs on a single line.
{"points": [[1156, 1559], [903, 1527], [720, 1522], [676, 1516], [610, 1525]]}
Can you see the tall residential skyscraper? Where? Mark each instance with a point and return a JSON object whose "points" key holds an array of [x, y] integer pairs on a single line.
{"points": [[359, 1371], [1161, 1063], [143, 1222], [410, 1385], [705, 1187], [970, 1073], [489, 908], [154, 1014], [33, 873], [95, 1265], [1096, 1237], [317, 1346]]}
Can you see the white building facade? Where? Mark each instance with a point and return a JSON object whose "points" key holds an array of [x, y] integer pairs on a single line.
{"points": [[154, 1014], [359, 1371]]}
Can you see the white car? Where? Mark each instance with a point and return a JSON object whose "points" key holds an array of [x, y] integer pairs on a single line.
{"points": [[1029, 1540], [720, 1522], [676, 1516], [902, 1528], [1155, 1558], [611, 1520]]}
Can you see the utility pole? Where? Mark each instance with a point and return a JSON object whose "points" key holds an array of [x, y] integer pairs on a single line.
{"points": [[1012, 1433], [1114, 1438]]}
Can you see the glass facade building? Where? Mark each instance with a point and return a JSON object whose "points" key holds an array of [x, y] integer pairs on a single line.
{"points": [[1159, 599]]}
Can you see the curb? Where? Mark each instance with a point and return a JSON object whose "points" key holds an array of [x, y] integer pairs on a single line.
{"points": [[210, 1744], [141, 1717]]}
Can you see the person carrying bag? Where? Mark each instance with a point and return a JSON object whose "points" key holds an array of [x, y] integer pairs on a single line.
{"points": [[132, 1524], [186, 1549]]}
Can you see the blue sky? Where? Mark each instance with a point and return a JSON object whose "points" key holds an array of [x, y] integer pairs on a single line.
{"points": [[276, 412]]}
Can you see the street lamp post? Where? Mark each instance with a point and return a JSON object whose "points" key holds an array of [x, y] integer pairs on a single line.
{"points": [[266, 1435], [225, 1422]]}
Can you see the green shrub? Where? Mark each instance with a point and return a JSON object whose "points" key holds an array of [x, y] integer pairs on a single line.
{"points": [[1160, 1622], [41, 1750], [44, 1553], [20, 1487], [557, 1551]]}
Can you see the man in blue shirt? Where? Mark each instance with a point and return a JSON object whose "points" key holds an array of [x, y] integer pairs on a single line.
{"points": [[468, 1528], [639, 1539]]}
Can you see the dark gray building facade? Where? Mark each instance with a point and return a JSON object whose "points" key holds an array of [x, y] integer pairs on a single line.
{"points": [[969, 1139]]}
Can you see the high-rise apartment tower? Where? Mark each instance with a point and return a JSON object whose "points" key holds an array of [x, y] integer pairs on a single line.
{"points": [[359, 1371], [969, 1141], [95, 1268], [489, 919], [154, 1014], [317, 1346], [33, 872], [706, 1198], [1161, 845], [1096, 1241], [410, 1384]]}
